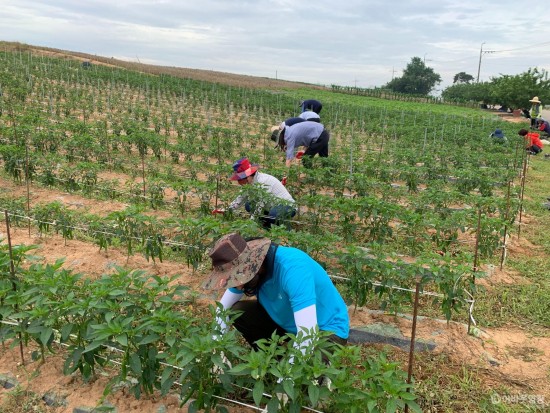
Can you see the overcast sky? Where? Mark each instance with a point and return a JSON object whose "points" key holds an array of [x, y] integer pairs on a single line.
{"points": [[359, 43]]}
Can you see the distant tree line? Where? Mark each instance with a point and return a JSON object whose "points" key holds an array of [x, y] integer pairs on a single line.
{"points": [[510, 91], [418, 81]]}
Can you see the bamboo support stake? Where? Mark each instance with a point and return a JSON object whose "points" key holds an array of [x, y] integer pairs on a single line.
{"points": [[28, 187], [12, 274], [413, 337], [476, 258], [143, 173], [522, 192], [218, 174], [503, 256]]}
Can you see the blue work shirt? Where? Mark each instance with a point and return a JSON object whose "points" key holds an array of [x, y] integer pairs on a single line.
{"points": [[297, 281]]}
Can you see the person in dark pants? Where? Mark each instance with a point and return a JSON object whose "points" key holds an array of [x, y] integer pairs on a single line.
{"points": [[544, 126], [311, 104], [274, 206], [533, 144], [293, 292], [312, 135]]}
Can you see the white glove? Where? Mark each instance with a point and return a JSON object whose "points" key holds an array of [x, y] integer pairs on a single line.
{"points": [[217, 370], [283, 399]]}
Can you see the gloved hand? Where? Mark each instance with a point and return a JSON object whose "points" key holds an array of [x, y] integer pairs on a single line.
{"points": [[283, 181], [219, 369], [218, 211], [299, 154], [283, 399]]}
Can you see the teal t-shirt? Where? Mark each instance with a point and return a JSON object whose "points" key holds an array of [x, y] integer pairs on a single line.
{"points": [[298, 281]]}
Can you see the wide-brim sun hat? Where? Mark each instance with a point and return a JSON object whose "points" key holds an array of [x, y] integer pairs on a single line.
{"points": [[235, 261], [275, 131], [535, 100], [242, 169]]}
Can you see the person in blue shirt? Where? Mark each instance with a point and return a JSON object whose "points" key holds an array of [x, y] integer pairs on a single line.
{"points": [[293, 292], [498, 136]]}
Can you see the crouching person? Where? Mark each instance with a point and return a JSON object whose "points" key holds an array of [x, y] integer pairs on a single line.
{"points": [[291, 292]]}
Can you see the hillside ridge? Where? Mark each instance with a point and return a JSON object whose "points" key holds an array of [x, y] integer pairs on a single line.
{"points": [[226, 78]]}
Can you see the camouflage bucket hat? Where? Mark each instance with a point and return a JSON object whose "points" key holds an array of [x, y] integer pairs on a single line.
{"points": [[235, 261]]}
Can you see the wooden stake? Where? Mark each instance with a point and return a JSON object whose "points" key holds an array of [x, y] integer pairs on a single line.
{"points": [[413, 336], [12, 273]]}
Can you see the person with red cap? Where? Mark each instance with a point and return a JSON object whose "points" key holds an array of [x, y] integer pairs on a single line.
{"points": [[272, 204]]}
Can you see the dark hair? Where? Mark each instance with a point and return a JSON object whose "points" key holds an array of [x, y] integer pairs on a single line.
{"points": [[281, 142], [523, 132]]}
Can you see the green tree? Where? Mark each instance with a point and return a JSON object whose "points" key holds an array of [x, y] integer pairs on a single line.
{"points": [[462, 77], [417, 79], [469, 92], [514, 91]]}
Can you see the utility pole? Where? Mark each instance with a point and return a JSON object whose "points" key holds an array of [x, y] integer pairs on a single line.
{"points": [[481, 52], [479, 64]]}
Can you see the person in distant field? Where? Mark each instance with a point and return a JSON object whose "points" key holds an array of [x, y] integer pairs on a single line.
{"points": [[273, 210], [312, 135], [544, 126], [311, 105], [535, 112], [498, 136], [533, 144]]}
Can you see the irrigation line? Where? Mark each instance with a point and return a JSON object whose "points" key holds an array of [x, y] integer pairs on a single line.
{"points": [[116, 362], [54, 224], [471, 301], [175, 243]]}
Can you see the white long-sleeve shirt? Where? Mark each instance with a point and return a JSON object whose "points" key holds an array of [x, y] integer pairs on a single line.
{"points": [[271, 185]]}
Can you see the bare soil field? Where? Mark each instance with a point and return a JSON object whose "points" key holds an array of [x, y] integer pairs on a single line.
{"points": [[507, 356]]}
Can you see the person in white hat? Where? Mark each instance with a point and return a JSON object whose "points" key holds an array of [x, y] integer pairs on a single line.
{"points": [[535, 112]]}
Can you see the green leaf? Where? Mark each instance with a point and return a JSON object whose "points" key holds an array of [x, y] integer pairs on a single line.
{"points": [[288, 386], [151, 338], [167, 380], [313, 393], [414, 407], [135, 363], [46, 335], [122, 339], [257, 392], [407, 396], [273, 405], [66, 331], [92, 346], [391, 407]]}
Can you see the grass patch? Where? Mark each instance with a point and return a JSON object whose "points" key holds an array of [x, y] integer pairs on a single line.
{"points": [[23, 401], [444, 385]]}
